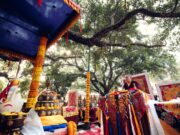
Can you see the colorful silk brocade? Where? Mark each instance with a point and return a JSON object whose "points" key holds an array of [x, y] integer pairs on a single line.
{"points": [[120, 117], [139, 103], [169, 116], [73, 98], [170, 91]]}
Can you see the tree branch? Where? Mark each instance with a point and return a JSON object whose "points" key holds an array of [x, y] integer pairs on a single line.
{"points": [[131, 14], [100, 83], [78, 67], [103, 71], [113, 81], [94, 41], [94, 83], [110, 72], [5, 75], [175, 6], [61, 57]]}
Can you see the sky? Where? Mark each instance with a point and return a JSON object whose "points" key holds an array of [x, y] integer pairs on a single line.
{"points": [[151, 30]]}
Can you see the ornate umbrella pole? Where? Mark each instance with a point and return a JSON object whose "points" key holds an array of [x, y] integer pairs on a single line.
{"points": [[36, 74]]}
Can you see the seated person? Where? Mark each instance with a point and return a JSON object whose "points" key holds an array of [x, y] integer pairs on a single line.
{"points": [[129, 84]]}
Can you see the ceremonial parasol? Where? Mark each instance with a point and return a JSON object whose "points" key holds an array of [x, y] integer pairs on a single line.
{"points": [[29, 27]]}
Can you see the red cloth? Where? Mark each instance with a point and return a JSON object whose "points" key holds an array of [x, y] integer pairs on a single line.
{"points": [[4, 93], [139, 104], [80, 29], [72, 118], [39, 2], [106, 127], [112, 116]]}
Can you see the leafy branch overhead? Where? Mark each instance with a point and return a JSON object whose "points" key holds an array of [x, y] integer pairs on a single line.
{"points": [[101, 36]]}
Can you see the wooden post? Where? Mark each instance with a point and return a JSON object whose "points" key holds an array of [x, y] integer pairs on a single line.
{"points": [[88, 98], [36, 74]]}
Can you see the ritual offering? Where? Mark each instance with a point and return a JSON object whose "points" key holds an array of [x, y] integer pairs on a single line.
{"points": [[48, 109], [11, 122], [48, 104]]}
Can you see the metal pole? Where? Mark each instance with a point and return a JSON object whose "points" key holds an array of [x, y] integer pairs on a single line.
{"points": [[89, 59]]}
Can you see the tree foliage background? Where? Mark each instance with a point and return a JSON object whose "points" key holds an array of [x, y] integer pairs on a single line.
{"points": [[117, 46]]}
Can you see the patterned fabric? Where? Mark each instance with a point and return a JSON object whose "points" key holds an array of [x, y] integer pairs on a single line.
{"points": [[169, 114], [121, 113], [112, 117], [170, 91], [165, 117], [72, 98], [116, 102], [139, 104], [69, 111], [143, 83]]}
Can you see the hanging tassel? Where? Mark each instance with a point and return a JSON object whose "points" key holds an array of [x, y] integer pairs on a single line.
{"points": [[39, 2], [9, 67], [9, 63], [18, 69], [80, 29], [125, 5], [67, 38]]}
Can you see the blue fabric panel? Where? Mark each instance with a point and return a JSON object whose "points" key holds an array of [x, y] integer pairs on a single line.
{"points": [[118, 124], [54, 127], [23, 22], [18, 39], [110, 128]]}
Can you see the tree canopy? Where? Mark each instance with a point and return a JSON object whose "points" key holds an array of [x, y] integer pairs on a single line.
{"points": [[108, 65], [105, 19], [110, 29]]}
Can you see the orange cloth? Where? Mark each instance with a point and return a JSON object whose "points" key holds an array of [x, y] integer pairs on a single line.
{"points": [[168, 129], [98, 115], [135, 120], [52, 120], [15, 82]]}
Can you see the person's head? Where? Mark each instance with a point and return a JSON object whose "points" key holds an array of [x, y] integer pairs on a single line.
{"points": [[128, 78]]}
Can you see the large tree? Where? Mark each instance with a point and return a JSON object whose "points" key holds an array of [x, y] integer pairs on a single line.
{"points": [[118, 18], [108, 65], [112, 26]]}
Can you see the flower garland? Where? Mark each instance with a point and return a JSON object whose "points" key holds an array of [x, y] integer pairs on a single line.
{"points": [[88, 99], [10, 54], [73, 5], [72, 128], [33, 93]]}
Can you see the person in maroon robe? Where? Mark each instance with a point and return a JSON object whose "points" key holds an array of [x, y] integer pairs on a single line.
{"points": [[129, 84]]}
